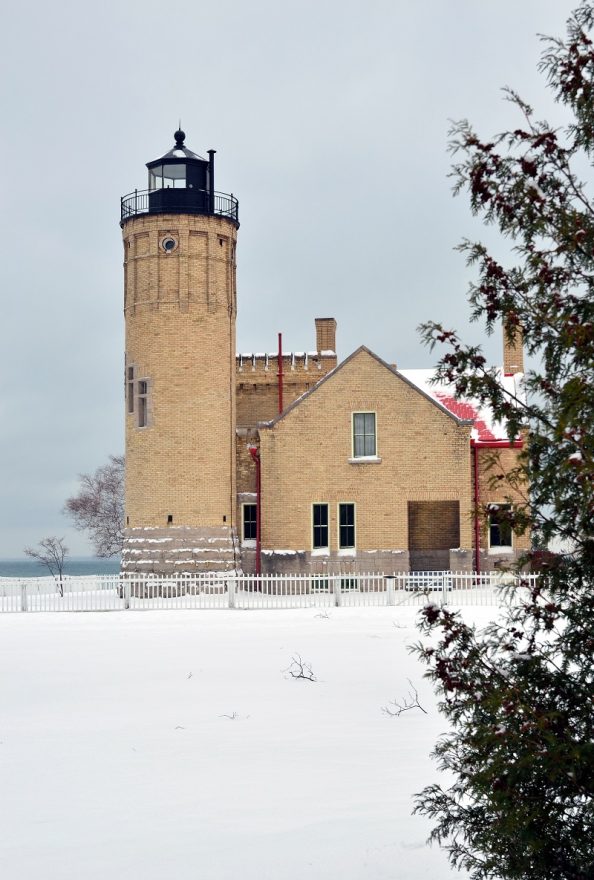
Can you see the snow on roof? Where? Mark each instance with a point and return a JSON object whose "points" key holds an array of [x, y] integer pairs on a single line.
{"points": [[485, 428]]}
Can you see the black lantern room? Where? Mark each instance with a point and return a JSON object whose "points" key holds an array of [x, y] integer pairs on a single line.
{"points": [[180, 182]]}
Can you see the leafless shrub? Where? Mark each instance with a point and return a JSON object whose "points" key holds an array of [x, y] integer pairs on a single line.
{"points": [[51, 552]]}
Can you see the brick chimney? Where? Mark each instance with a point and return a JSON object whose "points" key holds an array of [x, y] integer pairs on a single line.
{"points": [[513, 350], [325, 334]]}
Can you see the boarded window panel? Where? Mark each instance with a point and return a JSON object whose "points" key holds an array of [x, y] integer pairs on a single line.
{"points": [[197, 244], [142, 244], [433, 525]]}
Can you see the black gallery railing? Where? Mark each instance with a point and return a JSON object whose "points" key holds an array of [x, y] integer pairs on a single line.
{"points": [[179, 201]]}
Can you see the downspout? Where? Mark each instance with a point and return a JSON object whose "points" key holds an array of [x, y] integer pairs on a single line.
{"points": [[477, 529], [280, 373], [255, 453]]}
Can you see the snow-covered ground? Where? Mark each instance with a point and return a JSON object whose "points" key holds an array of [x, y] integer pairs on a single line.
{"points": [[166, 744]]}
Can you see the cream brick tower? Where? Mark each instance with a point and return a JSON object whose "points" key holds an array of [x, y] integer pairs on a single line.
{"points": [[180, 308]]}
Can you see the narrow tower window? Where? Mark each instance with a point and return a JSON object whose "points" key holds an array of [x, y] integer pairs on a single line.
{"points": [[143, 403], [130, 389]]}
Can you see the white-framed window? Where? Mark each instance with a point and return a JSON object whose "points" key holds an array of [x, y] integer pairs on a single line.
{"points": [[142, 398], [320, 538], [346, 526], [319, 583], [364, 435], [249, 522], [348, 583], [500, 530]]}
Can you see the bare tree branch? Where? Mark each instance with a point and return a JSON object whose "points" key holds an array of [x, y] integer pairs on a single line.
{"points": [[394, 709], [99, 507]]}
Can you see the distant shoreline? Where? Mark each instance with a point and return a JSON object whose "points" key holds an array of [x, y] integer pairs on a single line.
{"points": [[20, 567]]}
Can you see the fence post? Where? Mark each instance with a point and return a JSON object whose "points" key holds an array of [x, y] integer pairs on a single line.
{"points": [[126, 594], [337, 593], [390, 589], [23, 597], [231, 592]]}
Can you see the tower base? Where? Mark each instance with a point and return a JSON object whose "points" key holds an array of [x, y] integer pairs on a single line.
{"points": [[179, 549]]}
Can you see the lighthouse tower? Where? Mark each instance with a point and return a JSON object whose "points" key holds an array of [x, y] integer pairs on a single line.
{"points": [[180, 308]]}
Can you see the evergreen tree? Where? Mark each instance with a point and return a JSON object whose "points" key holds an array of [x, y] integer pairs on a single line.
{"points": [[519, 695]]}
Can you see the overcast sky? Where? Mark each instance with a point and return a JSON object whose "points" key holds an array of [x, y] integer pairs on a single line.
{"points": [[330, 122]]}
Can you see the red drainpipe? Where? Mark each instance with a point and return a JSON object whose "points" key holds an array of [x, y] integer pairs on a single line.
{"points": [[475, 446], [280, 373], [255, 453], [477, 529]]}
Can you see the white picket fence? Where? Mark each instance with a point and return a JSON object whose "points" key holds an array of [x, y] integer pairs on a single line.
{"points": [[219, 590]]}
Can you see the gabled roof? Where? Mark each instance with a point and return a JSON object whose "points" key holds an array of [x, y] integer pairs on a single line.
{"points": [[458, 417]]}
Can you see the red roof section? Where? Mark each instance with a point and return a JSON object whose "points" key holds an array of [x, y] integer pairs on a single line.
{"points": [[465, 410]]}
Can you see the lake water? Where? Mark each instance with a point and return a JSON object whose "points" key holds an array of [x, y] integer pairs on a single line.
{"points": [[24, 568]]}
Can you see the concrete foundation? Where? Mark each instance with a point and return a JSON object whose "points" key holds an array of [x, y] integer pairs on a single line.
{"points": [[180, 549]]}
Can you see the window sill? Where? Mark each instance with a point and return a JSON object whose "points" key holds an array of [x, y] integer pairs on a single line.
{"points": [[497, 551], [248, 544], [320, 551], [347, 551], [365, 459]]}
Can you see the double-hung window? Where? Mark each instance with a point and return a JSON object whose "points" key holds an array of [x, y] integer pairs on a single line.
{"points": [[346, 526], [143, 393], [250, 522], [364, 439], [320, 526], [500, 530]]}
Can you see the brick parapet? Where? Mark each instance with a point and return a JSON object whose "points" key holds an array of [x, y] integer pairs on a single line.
{"points": [[257, 382]]}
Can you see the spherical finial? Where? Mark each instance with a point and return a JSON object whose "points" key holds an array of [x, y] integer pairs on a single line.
{"points": [[180, 137]]}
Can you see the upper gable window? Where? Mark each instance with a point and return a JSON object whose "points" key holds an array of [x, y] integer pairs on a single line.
{"points": [[364, 436]]}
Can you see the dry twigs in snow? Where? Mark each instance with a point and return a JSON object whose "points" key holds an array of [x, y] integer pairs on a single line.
{"points": [[298, 668], [394, 709]]}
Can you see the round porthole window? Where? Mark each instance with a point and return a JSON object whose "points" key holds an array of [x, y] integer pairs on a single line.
{"points": [[168, 243]]}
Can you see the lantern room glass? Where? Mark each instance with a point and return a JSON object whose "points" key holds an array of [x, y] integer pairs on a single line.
{"points": [[167, 177]]}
